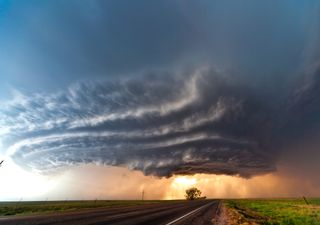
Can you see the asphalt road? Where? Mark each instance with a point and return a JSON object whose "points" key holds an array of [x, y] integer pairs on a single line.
{"points": [[180, 213]]}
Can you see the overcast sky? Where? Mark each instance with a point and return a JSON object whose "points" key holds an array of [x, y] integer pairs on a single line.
{"points": [[165, 88]]}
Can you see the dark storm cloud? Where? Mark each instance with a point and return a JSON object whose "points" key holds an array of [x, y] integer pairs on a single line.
{"points": [[161, 124], [166, 87], [178, 125]]}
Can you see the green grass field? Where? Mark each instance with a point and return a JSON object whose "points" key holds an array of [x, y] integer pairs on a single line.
{"points": [[26, 208], [277, 211]]}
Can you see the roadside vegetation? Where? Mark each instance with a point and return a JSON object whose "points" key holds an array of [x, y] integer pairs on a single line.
{"points": [[273, 211], [24, 208]]}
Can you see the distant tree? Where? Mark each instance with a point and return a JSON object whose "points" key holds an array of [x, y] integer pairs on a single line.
{"points": [[193, 193]]}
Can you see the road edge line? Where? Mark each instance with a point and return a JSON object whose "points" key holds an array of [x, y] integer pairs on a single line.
{"points": [[189, 213]]}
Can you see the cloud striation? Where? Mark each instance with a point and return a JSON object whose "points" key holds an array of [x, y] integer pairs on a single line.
{"points": [[161, 124], [234, 88]]}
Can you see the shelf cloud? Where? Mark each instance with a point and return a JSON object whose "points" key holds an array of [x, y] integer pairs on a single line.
{"points": [[170, 87], [162, 125]]}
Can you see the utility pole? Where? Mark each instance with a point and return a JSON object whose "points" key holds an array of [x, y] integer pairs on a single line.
{"points": [[142, 195], [305, 200]]}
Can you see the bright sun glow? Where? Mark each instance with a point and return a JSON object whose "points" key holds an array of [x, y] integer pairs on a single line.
{"points": [[185, 181], [179, 185], [19, 184]]}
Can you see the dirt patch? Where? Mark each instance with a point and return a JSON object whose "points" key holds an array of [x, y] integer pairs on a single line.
{"points": [[231, 216]]}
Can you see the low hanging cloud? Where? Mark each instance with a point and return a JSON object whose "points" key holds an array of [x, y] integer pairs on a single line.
{"points": [[161, 124], [254, 109]]}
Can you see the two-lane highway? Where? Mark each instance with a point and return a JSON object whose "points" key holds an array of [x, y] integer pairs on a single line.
{"points": [[178, 213]]}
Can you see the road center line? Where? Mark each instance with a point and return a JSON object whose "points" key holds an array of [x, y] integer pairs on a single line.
{"points": [[189, 213]]}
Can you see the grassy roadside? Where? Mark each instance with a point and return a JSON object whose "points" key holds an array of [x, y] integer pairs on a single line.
{"points": [[27, 208], [274, 211]]}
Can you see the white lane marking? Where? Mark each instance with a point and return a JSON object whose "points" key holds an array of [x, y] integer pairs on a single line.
{"points": [[193, 211]]}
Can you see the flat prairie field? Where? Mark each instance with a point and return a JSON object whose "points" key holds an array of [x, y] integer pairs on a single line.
{"points": [[40, 207], [273, 211]]}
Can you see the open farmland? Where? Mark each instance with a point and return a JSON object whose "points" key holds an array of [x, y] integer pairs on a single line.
{"points": [[39, 207], [274, 211]]}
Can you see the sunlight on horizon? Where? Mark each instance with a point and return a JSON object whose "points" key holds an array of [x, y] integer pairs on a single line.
{"points": [[18, 184]]}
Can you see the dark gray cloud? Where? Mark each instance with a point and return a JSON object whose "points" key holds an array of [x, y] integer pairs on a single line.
{"points": [[162, 124], [170, 87], [50, 44], [181, 124], [184, 124]]}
